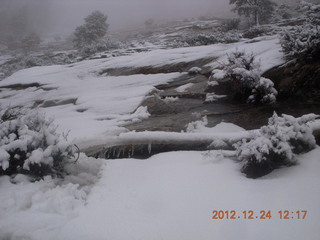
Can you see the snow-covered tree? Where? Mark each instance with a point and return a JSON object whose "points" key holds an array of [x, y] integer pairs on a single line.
{"points": [[94, 29], [29, 144], [244, 73], [260, 10], [276, 144], [231, 24], [282, 12], [304, 39]]}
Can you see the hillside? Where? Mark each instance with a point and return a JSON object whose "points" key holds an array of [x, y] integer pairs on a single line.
{"points": [[149, 105]]}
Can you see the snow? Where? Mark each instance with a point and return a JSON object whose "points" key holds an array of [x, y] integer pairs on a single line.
{"points": [[212, 97], [200, 126], [170, 99], [29, 208], [194, 70], [98, 97], [184, 88], [4, 157], [99, 105], [218, 74], [4, 58], [169, 196]]}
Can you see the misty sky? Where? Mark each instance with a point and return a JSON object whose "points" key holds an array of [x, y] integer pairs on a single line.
{"points": [[64, 15], [126, 12]]}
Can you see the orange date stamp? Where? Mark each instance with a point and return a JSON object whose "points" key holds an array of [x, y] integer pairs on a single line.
{"points": [[263, 214]]}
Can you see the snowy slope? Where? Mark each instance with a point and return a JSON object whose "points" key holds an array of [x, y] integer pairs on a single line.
{"points": [[169, 196], [99, 104], [95, 97]]}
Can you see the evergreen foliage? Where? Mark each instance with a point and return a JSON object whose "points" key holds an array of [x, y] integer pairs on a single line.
{"points": [[260, 10], [276, 144], [231, 24], [29, 144], [244, 75], [94, 29], [304, 39]]}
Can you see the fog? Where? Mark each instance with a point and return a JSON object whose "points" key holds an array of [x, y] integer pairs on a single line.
{"points": [[48, 17]]}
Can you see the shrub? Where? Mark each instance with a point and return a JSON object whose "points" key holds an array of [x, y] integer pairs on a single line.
{"points": [[282, 11], [244, 75], [201, 39], [276, 144], [30, 145], [255, 31], [100, 46], [301, 40], [305, 39], [207, 39], [231, 24]]}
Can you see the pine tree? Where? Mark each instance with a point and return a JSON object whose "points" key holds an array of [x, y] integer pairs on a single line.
{"points": [[261, 10], [94, 29]]}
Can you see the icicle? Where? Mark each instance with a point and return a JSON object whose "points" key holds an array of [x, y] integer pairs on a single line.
{"points": [[114, 152], [106, 153], [118, 153], [132, 150], [123, 152], [149, 148]]}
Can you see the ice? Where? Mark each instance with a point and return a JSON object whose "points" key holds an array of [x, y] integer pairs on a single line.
{"points": [[149, 148]]}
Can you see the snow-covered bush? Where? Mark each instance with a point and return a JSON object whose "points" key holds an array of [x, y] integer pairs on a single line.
{"points": [[276, 144], [29, 144], [26, 61], [201, 39], [304, 39], [99, 46], [93, 48], [198, 125], [301, 40], [256, 31], [244, 75], [217, 36], [231, 24], [282, 12], [229, 37], [194, 71]]}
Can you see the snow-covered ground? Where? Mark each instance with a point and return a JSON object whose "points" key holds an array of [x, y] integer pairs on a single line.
{"points": [[169, 196], [101, 104]]}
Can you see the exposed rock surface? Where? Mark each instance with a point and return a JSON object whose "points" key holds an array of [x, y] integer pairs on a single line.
{"points": [[172, 106], [297, 80]]}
